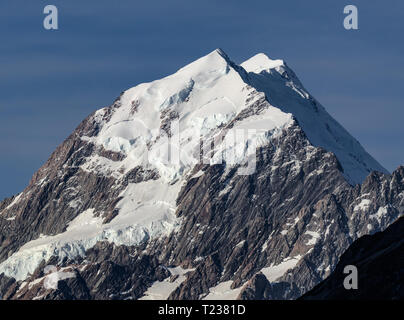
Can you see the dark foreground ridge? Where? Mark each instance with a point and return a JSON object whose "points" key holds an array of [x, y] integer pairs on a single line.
{"points": [[380, 262]]}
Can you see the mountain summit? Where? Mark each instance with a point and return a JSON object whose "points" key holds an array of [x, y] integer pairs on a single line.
{"points": [[218, 181]]}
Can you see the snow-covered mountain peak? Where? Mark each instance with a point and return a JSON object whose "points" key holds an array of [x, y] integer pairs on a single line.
{"points": [[128, 149], [208, 94], [197, 102]]}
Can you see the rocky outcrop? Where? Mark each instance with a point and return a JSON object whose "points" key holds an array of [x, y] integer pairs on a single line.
{"points": [[57, 193], [257, 288], [108, 272]]}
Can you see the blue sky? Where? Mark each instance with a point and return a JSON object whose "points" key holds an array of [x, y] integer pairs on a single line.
{"points": [[51, 80]]}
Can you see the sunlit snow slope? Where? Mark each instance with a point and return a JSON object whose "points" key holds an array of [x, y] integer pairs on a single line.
{"points": [[284, 90]]}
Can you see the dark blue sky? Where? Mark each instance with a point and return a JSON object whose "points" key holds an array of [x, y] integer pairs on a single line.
{"points": [[51, 80]]}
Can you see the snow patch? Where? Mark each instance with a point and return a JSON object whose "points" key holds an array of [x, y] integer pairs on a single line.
{"points": [[260, 62], [363, 205], [14, 202], [223, 291], [380, 214], [240, 244], [274, 272], [161, 290], [200, 173], [315, 236], [51, 281]]}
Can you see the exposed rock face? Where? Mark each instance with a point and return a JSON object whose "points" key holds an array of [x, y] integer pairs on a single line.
{"points": [[380, 263], [114, 226], [109, 272], [257, 288], [57, 193], [312, 216]]}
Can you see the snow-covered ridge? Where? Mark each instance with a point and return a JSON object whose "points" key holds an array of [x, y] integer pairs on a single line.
{"points": [[180, 111], [284, 91], [206, 95], [209, 93]]}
